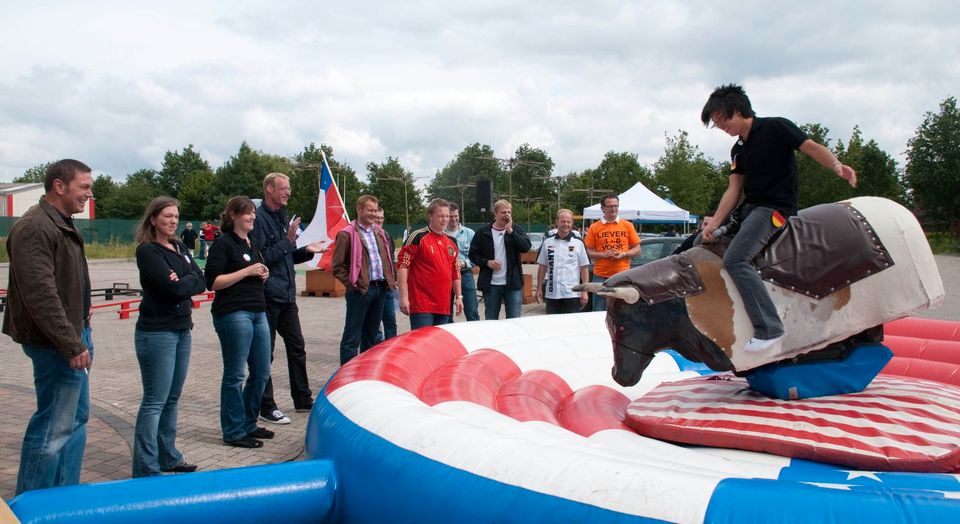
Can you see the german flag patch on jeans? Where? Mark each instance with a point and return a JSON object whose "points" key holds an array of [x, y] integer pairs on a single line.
{"points": [[777, 219]]}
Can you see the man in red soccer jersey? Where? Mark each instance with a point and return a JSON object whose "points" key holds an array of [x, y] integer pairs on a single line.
{"points": [[427, 271]]}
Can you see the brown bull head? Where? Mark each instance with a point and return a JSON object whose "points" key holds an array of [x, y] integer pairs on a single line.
{"points": [[646, 313]]}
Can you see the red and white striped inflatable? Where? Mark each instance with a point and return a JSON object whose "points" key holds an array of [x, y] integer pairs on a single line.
{"points": [[897, 423]]}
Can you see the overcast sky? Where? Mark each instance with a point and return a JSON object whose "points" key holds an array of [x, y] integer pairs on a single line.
{"points": [[118, 83]]}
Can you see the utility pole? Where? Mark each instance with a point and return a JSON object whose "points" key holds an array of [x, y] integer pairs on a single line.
{"points": [[508, 164]]}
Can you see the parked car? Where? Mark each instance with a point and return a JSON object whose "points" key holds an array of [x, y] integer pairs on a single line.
{"points": [[652, 248], [530, 257], [536, 240], [656, 248]]}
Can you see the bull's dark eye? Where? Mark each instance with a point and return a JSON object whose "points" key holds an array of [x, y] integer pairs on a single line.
{"points": [[621, 328]]}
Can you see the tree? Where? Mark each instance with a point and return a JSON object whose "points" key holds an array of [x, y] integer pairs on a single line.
{"points": [[305, 182], [818, 184], [616, 173], [393, 186], [177, 166], [457, 181], [877, 173], [533, 190], [129, 199], [104, 189], [684, 175], [198, 201], [933, 163], [37, 173], [242, 174]]}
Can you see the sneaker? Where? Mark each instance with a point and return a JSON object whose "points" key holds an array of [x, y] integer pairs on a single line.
{"points": [[275, 417], [760, 345]]}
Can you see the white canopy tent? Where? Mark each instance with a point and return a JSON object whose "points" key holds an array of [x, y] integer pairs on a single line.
{"points": [[640, 204]]}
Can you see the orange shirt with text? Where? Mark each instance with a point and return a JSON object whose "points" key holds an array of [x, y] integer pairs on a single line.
{"points": [[618, 236]]}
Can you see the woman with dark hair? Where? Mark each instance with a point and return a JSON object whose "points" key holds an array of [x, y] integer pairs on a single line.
{"points": [[168, 277], [235, 270]]}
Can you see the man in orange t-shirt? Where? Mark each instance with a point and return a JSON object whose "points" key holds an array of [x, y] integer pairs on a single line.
{"points": [[611, 242]]}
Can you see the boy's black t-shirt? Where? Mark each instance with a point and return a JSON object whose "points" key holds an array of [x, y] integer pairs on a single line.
{"points": [[768, 164]]}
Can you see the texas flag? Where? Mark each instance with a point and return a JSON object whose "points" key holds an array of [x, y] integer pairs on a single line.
{"points": [[329, 218]]}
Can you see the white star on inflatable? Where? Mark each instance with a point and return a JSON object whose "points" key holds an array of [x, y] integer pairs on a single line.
{"points": [[844, 487], [857, 474]]}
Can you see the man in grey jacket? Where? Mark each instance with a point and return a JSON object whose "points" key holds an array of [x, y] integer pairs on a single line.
{"points": [[48, 313]]}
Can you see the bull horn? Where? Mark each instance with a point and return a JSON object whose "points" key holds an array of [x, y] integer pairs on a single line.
{"points": [[628, 294], [592, 287]]}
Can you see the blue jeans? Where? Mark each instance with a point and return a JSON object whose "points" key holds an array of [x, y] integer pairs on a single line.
{"points": [[390, 299], [203, 250], [755, 232], [493, 297], [468, 286], [52, 451], [419, 320], [364, 313], [244, 342], [163, 357], [599, 302]]}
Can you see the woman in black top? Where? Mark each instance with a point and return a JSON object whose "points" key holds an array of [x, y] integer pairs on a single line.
{"points": [[235, 270], [168, 277]]}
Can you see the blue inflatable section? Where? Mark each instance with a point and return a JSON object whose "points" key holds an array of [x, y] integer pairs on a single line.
{"points": [[293, 492], [788, 381], [689, 365], [379, 478], [381, 482]]}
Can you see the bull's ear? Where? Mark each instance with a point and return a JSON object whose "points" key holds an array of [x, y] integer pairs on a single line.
{"points": [[628, 294]]}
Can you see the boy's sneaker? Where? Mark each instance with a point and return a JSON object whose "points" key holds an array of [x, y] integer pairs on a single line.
{"points": [[275, 417], [305, 408], [759, 345]]}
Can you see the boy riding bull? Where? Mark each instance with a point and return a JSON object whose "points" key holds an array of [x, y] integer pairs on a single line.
{"points": [[763, 168]]}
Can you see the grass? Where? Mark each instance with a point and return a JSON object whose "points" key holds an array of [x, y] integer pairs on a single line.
{"points": [[943, 243], [94, 250]]}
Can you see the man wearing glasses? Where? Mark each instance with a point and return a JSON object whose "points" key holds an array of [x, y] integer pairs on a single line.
{"points": [[611, 242]]}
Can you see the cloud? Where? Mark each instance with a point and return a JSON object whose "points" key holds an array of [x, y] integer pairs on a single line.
{"points": [[421, 80]]}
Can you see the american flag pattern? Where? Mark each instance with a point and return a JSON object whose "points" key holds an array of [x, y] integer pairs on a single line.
{"points": [[894, 424]]}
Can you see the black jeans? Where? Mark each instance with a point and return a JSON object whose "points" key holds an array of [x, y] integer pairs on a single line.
{"points": [[557, 306], [285, 320]]}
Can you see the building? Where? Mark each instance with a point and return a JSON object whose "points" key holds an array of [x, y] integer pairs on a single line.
{"points": [[16, 199]]}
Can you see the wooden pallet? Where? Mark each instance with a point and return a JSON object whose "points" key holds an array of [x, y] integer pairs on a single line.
{"points": [[337, 293]]}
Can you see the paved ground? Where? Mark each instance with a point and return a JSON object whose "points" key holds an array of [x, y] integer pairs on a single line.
{"points": [[116, 388]]}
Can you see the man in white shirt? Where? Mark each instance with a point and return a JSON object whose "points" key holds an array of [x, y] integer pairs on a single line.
{"points": [[564, 263], [496, 248]]}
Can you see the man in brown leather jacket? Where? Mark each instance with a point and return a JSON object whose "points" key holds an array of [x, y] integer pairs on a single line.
{"points": [[48, 313], [363, 262]]}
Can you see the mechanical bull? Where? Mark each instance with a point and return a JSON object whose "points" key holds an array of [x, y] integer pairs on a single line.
{"points": [[835, 271]]}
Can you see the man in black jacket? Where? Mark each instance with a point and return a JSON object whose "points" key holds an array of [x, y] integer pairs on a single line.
{"points": [[276, 235], [496, 249]]}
